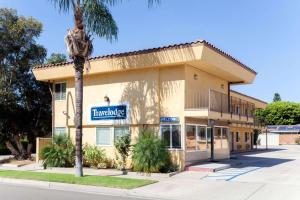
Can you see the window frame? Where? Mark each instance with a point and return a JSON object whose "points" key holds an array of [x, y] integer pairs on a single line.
{"points": [[228, 131], [60, 127], [237, 137], [60, 93], [112, 134], [197, 125], [171, 142]]}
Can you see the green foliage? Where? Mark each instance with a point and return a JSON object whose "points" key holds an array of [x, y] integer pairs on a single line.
{"points": [[60, 153], [96, 15], [56, 58], [297, 140], [94, 156], [122, 145], [150, 153], [280, 113], [276, 97], [25, 104]]}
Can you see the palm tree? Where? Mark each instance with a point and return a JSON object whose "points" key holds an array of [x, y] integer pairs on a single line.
{"points": [[90, 16]]}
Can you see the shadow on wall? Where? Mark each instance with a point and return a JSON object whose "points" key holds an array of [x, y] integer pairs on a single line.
{"points": [[128, 61]]}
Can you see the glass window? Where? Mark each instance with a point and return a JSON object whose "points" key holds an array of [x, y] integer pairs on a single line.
{"points": [[176, 136], [60, 91], [165, 134], [246, 137], [225, 142], [190, 137], [60, 131], [103, 136], [201, 138], [217, 137], [120, 131], [171, 135], [237, 137]]}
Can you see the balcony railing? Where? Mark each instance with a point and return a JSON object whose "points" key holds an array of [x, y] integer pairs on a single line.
{"points": [[218, 102]]}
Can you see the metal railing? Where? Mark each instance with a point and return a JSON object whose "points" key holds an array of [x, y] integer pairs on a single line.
{"points": [[218, 102]]}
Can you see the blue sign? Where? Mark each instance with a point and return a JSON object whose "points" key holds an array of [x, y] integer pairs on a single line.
{"points": [[169, 119], [109, 112]]}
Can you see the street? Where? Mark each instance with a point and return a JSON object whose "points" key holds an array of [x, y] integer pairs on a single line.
{"points": [[12, 192]]}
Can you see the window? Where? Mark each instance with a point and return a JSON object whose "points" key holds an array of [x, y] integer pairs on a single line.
{"points": [[120, 131], [201, 138], [103, 136], [171, 134], [217, 137], [60, 91], [190, 137], [60, 131], [106, 135], [237, 137], [246, 137]]}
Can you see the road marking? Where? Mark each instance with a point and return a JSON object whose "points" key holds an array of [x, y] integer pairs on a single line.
{"points": [[230, 174]]}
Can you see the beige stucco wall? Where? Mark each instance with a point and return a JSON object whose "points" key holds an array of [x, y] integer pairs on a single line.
{"points": [[242, 132]]}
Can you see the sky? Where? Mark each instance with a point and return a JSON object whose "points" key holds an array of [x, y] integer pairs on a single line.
{"points": [[263, 34]]}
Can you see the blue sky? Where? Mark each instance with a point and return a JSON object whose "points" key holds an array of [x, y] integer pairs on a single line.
{"points": [[263, 34]]}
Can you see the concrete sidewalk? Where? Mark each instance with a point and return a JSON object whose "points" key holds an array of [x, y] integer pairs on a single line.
{"points": [[277, 177]]}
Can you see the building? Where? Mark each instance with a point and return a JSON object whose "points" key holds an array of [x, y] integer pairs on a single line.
{"points": [[182, 91], [281, 135]]}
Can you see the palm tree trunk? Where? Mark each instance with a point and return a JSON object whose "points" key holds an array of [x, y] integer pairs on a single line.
{"points": [[78, 65]]}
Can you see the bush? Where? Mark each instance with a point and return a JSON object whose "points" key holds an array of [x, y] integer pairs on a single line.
{"points": [[95, 157], [61, 153], [122, 145], [150, 154], [297, 141]]}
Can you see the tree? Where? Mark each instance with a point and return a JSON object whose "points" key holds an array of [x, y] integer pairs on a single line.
{"points": [[25, 110], [280, 113], [56, 58], [89, 16], [276, 97]]}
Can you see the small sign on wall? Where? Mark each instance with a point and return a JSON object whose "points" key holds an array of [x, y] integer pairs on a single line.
{"points": [[169, 119], [114, 112]]}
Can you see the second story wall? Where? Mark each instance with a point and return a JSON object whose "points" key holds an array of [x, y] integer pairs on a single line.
{"points": [[198, 84], [149, 94]]}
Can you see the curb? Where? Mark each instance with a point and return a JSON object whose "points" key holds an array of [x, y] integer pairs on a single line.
{"points": [[76, 188]]}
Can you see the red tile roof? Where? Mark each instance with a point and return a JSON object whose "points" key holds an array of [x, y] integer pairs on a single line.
{"points": [[151, 50]]}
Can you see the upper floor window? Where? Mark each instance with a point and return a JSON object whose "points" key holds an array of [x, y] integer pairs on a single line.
{"points": [[60, 131], [60, 91]]}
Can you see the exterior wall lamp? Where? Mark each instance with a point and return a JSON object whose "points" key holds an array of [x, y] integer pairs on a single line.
{"points": [[106, 99]]}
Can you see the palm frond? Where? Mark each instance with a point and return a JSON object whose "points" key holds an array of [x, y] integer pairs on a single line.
{"points": [[64, 5], [152, 2], [99, 20]]}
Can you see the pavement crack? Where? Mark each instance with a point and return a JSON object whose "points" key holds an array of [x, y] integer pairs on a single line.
{"points": [[255, 191]]}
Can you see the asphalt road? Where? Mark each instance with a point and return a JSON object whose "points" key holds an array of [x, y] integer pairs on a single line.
{"points": [[13, 192]]}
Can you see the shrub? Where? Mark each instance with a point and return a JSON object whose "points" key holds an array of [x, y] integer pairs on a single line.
{"points": [[61, 153], [95, 157], [248, 146], [122, 145], [239, 146], [297, 140], [150, 153]]}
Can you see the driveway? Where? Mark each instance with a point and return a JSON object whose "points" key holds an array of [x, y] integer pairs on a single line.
{"points": [[273, 174]]}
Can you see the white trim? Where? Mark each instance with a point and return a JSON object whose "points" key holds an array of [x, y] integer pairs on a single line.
{"points": [[61, 82], [170, 125], [206, 143], [112, 134]]}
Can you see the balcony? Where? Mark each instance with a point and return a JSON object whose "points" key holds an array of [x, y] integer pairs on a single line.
{"points": [[216, 105]]}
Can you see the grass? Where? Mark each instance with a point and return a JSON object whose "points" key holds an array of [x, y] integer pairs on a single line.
{"points": [[105, 181]]}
